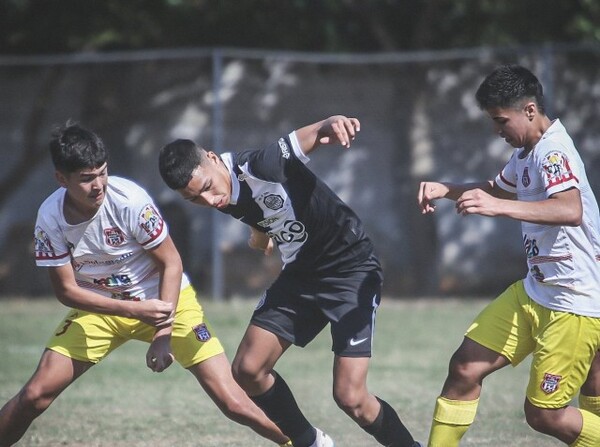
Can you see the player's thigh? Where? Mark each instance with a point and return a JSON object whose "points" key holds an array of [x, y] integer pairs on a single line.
{"points": [[591, 386], [566, 347], [193, 339], [350, 302], [54, 373], [259, 351], [88, 337], [289, 308], [505, 325]]}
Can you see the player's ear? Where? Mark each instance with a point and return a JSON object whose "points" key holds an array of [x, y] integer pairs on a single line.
{"points": [[530, 110], [60, 178]]}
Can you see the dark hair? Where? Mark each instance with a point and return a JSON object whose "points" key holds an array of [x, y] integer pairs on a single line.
{"points": [[177, 161], [507, 86], [72, 148]]}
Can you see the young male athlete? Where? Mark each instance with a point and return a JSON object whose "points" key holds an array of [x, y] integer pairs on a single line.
{"points": [[330, 274], [111, 259], [554, 313]]}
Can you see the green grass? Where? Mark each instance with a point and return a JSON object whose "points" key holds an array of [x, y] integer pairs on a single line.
{"points": [[121, 403]]}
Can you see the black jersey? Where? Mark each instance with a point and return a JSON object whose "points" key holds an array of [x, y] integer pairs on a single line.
{"points": [[274, 192]]}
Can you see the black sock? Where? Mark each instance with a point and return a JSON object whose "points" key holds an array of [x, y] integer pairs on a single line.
{"points": [[387, 428], [279, 405]]}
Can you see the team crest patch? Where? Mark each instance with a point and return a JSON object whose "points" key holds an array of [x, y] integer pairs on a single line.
{"points": [[114, 236], [550, 383], [43, 246], [273, 201], [202, 332], [558, 170], [525, 179], [151, 221]]}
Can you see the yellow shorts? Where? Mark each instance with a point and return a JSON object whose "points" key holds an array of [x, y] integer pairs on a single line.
{"points": [[89, 337], [563, 344]]}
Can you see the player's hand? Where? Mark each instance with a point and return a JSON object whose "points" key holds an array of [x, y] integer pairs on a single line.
{"points": [[154, 312], [159, 356], [260, 241], [338, 129], [477, 201], [428, 192]]}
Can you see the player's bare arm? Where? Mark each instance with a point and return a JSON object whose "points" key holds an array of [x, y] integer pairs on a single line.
{"points": [[260, 241], [159, 356], [563, 208], [152, 312], [430, 191], [335, 129]]}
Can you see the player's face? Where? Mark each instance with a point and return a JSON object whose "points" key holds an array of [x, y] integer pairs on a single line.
{"points": [[210, 184], [86, 188], [512, 124]]}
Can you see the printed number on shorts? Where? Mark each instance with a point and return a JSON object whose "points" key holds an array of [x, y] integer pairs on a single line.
{"points": [[64, 328]]}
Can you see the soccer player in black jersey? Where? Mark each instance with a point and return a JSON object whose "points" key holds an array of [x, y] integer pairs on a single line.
{"points": [[330, 272]]}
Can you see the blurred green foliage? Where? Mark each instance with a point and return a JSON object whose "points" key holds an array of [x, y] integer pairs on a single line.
{"points": [[59, 26]]}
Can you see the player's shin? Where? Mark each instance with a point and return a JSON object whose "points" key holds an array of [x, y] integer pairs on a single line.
{"points": [[451, 420], [387, 428], [280, 406]]}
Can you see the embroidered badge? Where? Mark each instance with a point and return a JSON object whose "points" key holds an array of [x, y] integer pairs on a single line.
{"points": [[43, 246], [114, 236], [550, 383], [151, 221], [558, 170], [273, 201], [202, 332], [525, 179]]}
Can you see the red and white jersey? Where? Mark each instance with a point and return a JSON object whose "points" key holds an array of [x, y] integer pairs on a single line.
{"points": [[563, 261], [108, 252]]}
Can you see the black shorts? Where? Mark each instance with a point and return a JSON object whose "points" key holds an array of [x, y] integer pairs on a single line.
{"points": [[297, 307]]}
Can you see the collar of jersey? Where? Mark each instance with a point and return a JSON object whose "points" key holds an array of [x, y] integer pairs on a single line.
{"points": [[235, 183]]}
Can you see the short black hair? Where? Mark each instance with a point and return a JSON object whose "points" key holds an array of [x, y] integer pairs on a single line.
{"points": [[507, 86], [73, 147], [177, 161]]}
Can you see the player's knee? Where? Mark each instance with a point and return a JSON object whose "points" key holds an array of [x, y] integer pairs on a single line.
{"points": [[234, 409], [33, 399], [246, 372], [349, 401], [543, 420], [460, 370]]}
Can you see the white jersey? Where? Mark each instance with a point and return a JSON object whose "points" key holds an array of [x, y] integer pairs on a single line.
{"points": [[108, 252], [563, 261]]}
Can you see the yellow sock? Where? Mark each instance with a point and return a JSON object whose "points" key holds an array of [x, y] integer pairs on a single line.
{"points": [[590, 432], [451, 420], [590, 403]]}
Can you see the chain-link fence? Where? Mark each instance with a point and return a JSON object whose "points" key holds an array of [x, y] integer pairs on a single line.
{"points": [[419, 121]]}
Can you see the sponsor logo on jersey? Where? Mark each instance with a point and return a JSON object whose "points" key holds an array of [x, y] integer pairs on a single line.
{"points": [[151, 221], [537, 274], [242, 177], [267, 222], [273, 201], [43, 246], [293, 231], [114, 236], [531, 248], [550, 383], [202, 332], [525, 179], [557, 168], [114, 281], [285, 150]]}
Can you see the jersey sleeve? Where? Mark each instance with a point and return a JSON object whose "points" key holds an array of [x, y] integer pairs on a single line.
{"points": [[507, 177], [146, 223], [50, 247], [558, 170], [275, 162]]}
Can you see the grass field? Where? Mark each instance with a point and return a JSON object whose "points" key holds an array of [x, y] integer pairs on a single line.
{"points": [[121, 403]]}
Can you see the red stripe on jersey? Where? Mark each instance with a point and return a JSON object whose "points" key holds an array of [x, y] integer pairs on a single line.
{"points": [[40, 256], [514, 185]]}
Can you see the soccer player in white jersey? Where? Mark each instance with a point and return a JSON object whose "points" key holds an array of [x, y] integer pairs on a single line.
{"points": [[331, 275], [554, 312], [111, 260]]}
